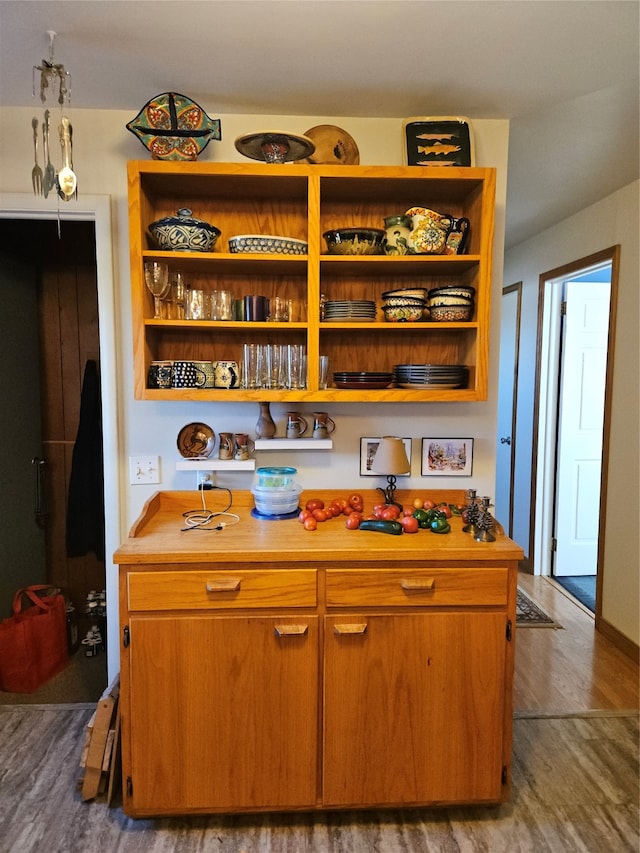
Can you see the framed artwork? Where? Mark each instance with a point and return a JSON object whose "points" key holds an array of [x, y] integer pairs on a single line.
{"points": [[438, 141], [447, 457], [368, 447]]}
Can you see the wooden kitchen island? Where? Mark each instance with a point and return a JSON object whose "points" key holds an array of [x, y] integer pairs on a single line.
{"points": [[265, 667]]}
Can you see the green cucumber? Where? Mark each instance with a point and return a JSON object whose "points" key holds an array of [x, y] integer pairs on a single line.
{"points": [[393, 527]]}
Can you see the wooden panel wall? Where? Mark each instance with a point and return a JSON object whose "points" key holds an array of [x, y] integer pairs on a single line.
{"points": [[69, 336]]}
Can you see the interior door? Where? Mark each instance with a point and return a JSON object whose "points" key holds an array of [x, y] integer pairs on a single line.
{"points": [[507, 400], [22, 540], [580, 423]]}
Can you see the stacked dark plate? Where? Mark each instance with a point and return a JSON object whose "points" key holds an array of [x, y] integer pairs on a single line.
{"points": [[437, 376], [362, 380], [349, 310]]}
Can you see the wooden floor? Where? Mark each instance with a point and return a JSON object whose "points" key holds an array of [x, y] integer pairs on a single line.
{"points": [[572, 670]]}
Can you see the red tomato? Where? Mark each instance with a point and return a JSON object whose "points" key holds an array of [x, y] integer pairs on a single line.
{"points": [[355, 499], [409, 511], [329, 511], [336, 509], [314, 503], [445, 509], [409, 524], [389, 514], [353, 521], [303, 515], [320, 514], [310, 523], [348, 510], [428, 504], [379, 509], [340, 502], [358, 507]]}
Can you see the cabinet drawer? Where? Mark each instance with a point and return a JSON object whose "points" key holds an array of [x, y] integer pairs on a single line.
{"points": [[417, 587], [226, 590]]}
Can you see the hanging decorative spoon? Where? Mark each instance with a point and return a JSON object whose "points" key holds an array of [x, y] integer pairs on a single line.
{"points": [[49, 179], [66, 181]]}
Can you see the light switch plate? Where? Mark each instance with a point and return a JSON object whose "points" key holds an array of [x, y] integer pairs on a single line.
{"points": [[144, 469]]}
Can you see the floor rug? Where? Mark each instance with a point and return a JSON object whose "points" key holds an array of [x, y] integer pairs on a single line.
{"points": [[582, 587], [530, 615]]}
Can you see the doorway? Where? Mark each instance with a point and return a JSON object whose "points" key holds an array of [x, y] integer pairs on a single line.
{"points": [[574, 364], [95, 209]]}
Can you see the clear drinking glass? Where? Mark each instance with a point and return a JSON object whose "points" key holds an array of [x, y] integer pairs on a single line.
{"points": [[156, 278]]}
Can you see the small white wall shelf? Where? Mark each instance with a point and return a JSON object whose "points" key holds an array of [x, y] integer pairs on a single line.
{"points": [[215, 464], [294, 444]]}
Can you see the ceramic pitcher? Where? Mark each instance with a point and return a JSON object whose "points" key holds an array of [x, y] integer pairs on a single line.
{"points": [[429, 231], [323, 425]]}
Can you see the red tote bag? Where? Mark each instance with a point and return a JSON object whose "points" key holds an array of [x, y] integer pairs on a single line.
{"points": [[33, 642]]}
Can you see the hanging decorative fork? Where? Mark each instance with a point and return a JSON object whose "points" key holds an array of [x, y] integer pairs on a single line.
{"points": [[36, 172]]}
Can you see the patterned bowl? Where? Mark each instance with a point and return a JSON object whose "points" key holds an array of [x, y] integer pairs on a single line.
{"points": [[355, 241], [451, 313], [266, 244], [408, 292], [184, 233], [406, 314], [402, 302]]}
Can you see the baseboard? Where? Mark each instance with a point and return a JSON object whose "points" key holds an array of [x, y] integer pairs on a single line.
{"points": [[619, 640]]}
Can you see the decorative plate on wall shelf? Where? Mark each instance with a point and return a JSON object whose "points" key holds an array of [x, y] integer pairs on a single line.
{"points": [[195, 441], [438, 141], [173, 127]]}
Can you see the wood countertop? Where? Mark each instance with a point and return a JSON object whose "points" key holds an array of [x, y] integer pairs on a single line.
{"points": [[158, 535]]}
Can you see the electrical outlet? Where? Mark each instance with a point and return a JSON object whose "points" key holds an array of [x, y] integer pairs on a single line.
{"points": [[205, 479], [144, 469]]}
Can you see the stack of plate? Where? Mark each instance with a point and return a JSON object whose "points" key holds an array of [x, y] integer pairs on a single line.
{"points": [[440, 376], [349, 310], [363, 381]]}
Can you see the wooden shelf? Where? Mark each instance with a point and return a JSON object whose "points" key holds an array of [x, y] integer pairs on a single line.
{"points": [[303, 202]]}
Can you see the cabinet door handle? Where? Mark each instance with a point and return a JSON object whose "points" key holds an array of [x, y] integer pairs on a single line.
{"points": [[290, 630], [224, 585], [355, 628], [417, 584]]}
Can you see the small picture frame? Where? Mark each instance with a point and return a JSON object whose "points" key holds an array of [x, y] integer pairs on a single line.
{"points": [[447, 457], [438, 141], [368, 447]]}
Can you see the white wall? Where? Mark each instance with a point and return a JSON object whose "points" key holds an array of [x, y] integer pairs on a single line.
{"points": [[102, 146], [613, 220]]}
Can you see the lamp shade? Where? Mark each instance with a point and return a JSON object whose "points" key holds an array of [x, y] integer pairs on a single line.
{"points": [[390, 457]]}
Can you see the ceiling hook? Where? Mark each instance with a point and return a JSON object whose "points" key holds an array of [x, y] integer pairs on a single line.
{"points": [[52, 37]]}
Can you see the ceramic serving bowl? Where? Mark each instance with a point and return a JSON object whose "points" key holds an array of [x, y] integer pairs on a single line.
{"points": [[403, 314], [184, 233], [451, 313], [454, 290], [407, 292], [402, 302], [355, 241], [266, 244], [445, 299]]}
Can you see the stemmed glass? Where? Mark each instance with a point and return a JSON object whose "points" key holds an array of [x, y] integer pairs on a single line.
{"points": [[156, 277]]}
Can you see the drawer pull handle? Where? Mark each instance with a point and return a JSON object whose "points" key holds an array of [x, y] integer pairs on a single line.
{"points": [[417, 584], [290, 630], [224, 585], [355, 628]]}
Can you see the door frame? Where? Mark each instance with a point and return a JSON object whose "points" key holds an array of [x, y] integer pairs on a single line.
{"points": [[517, 289], [543, 460], [96, 209]]}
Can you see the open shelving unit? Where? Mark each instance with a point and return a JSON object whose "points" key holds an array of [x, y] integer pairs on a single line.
{"points": [[303, 202]]}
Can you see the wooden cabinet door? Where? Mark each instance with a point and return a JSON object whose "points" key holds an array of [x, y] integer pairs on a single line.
{"points": [[413, 708], [223, 713]]}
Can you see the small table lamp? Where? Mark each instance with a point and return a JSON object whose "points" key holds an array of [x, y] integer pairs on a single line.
{"points": [[390, 459]]}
